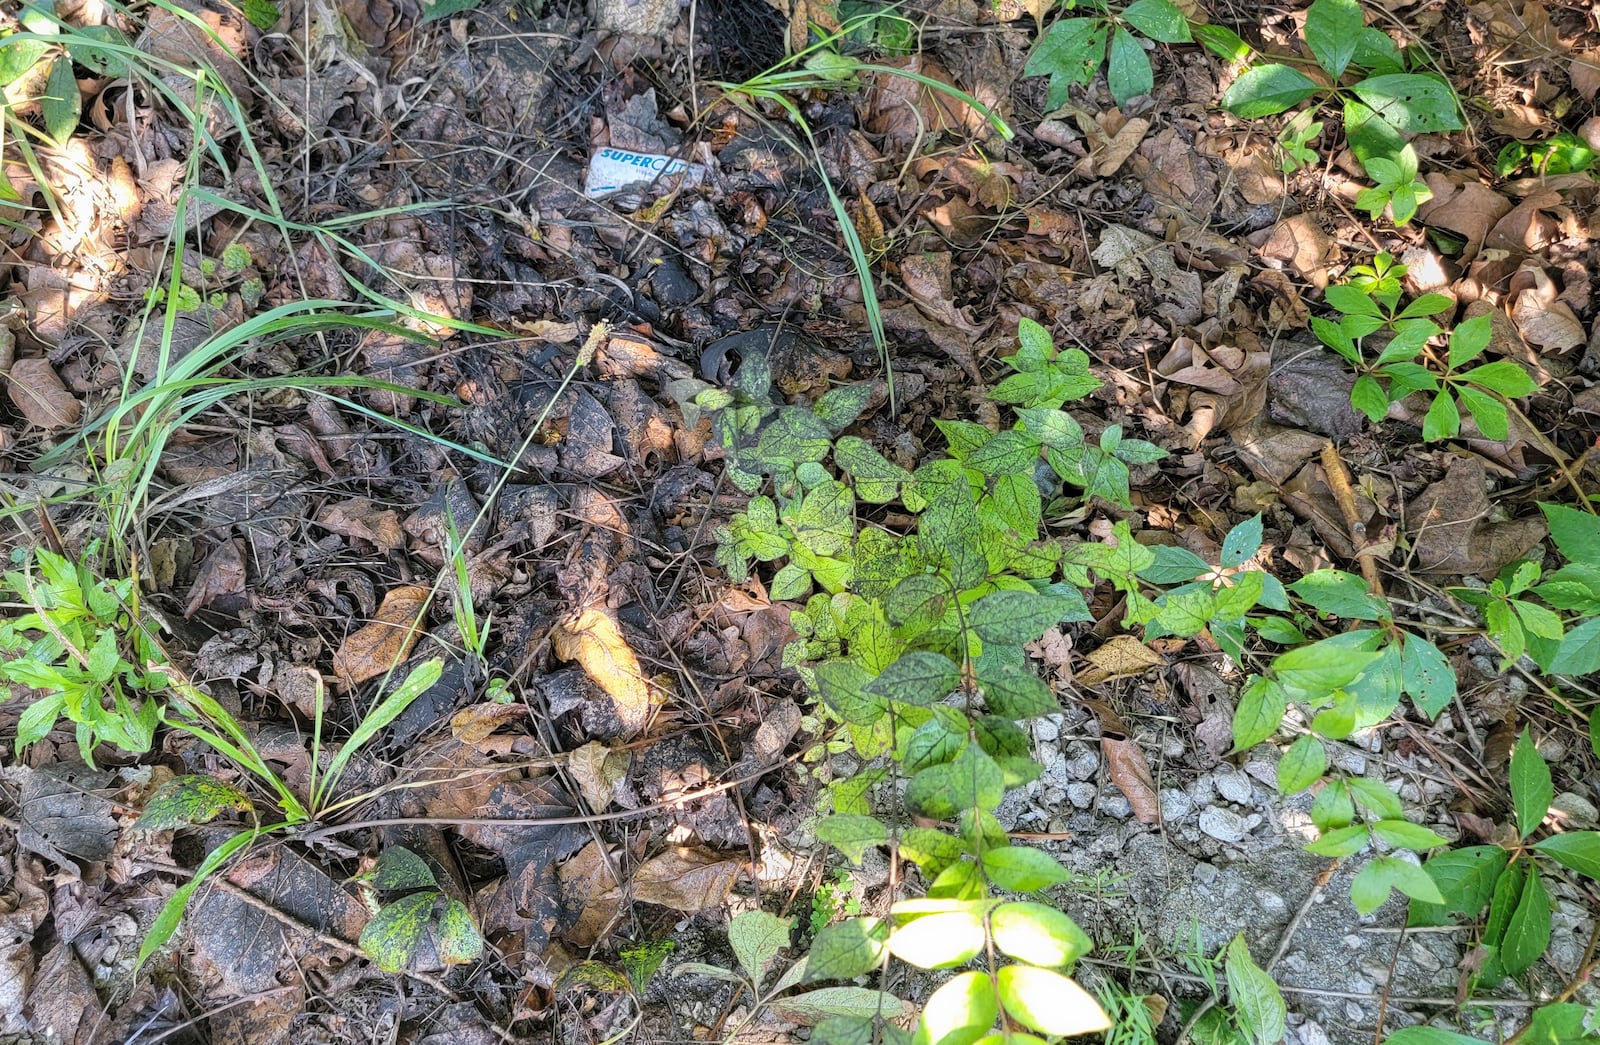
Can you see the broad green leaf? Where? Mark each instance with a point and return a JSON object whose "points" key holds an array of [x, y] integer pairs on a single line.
{"points": [[399, 868], [1426, 674], [38, 718], [1160, 20], [1267, 90], [1243, 541], [1576, 533], [1372, 885], [1016, 502], [1502, 376], [1443, 419], [1428, 1036], [842, 686], [1340, 594], [1403, 834], [1023, 870], [392, 936], [1049, 1002], [460, 942], [1466, 878], [61, 105], [794, 436], [756, 938], [1333, 28], [935, 742], [187, 800], [1312, 672], [1376, 797], [1531, 789], [1340, 842], [1012, 617], [1468, 341], [1488, 412], [1579, 652], [1174, 565], [1254, 996], [1564, 1023], [1278, 630], [815, 1006], [1262, 705], [263, 14], [1054, 428], [965, 1006], [852, 834], [1577, 850], [839, 407], [846, 950], [18, 56], [1411, 102], [1013, 690], [918, 602], [1037, 934], [1128, 72], [919, 678], [1427, 305], [1069, 52], [1333, 807], [930, 850], [1222, 42], [876, 477], [1528, 932], [1369, 134], [939, 941], [1503, 904], [1006, 453], [963, 437], [1302, 765]]}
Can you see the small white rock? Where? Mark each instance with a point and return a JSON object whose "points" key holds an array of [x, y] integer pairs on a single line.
{"points": [[1232, 784], [1222, 824]]}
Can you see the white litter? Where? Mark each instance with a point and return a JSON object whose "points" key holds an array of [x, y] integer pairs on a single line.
{"points": [[612, 170]]}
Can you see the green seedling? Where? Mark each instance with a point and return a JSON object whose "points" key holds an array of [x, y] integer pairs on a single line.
{"points": [[1072, 50], [408, 910], [833, 900], [1564, 153]]}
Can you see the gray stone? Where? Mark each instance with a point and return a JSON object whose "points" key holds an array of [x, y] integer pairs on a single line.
{"points": [[1202, 789], [1114, 803], [1352, 762], [1175, 804], [1081, 794], [1222, 824], [1264, 771], [1047, 729], [1232, 784], [1082, 761], [1206, 873], [1576, 808]]}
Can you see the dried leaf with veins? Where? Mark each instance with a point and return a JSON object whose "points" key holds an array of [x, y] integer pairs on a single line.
{"points": [[593, 639]]}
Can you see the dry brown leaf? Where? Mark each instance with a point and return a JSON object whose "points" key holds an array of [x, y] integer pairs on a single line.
{"points": [[1120, 657], [1541, 318], [1452, 529], [1585, 73], [1131, 773], [587, 883], [1114, 152], [1468, 208], [374, 648], [685, 879], [221, 574], [1298, 245], [38, 392], [474, 724], [359, 518], [593, 639], [597, 770]]}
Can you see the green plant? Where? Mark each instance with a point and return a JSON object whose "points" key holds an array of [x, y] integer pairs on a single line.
{"points": [[1563, 153], [76, 644], [1366, 75], [833, 900], [1072, 50], [408, 909], [1370, 303]]}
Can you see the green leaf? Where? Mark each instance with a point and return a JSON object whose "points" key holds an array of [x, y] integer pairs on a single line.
{"points": [[876, 477], [263, 14], [917, 603], [1012, 617], [846, 950], [1576, 533], [940, 941], [18, 56], [839, 407], [966, 1005], [814, 1006], [1013, 690], [1160, 20], [1333, 28], [1426, 675], [1008, 452], [936, 741], [1312, 672], [1564, 1023], [186, 800], [38, 718], [1302, 765], [1128, 71], [1049, 1002], [1531, 789], [1022, 869], [1427, 305], [794, 436], [1266, 90], [1528, 932], [1381, 874], [852, 834], [171, 914], [1502, 376], [1443, 419], [1411, 102], [1489, 413], [1262, 705], [1340, 594], [61, 105], [1469, 339], [919, 678], [1069, 52], [756, 938], [930, 850], [1037, 934], [1577, 850], [399, 868], [1340, 842], [1243, 541], [1428, 1036], [1579, 652], [417, 682], [1466, 878], [1174, 565], [842, 686], [1222, 42], [1376, 797], [1254, 996], [1403, 834], [392, 936], [460, 942]]}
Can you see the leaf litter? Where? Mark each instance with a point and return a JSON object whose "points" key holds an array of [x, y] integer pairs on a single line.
{"points": [[300, 536]]}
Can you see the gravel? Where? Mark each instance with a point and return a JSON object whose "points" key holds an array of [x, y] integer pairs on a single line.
{"points": [[1222, 824]]}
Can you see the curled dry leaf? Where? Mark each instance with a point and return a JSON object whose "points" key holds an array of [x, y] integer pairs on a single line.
{"points": [[593, 639], [374, 648], [1299, 245], [1216, 388], [1131, 773], [38, 392], [597, 770], [1467, 208], [1122, 656], [1541, 318], [1452, 531], [685, 879]]}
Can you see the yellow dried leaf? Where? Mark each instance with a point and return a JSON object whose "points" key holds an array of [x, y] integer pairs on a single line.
{"points": [[374, 648], [593, 639], [598, 770], [1124, 655]]}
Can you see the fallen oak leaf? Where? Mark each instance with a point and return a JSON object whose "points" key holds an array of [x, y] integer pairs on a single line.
{"points": [[376, 647], [593, 639], [1131, 773]]}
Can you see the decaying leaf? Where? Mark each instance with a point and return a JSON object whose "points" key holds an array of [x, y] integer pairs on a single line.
{"points": [[1131, 773], [1120, 657], [374, 648], [685, 879], [37, 391], [1454, 529], [598, 770], [593, 639]]}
